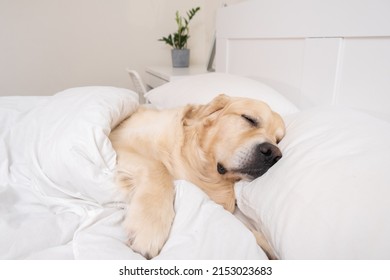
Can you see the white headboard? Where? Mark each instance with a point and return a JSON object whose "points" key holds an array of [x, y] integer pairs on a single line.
{"points": [[313, 51]]}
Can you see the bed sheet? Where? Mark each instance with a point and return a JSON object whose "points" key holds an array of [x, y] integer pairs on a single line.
{"points": [[57, 199]]}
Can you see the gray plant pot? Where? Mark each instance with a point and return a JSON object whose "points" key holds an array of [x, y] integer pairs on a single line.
{"points": [[180, 57]]}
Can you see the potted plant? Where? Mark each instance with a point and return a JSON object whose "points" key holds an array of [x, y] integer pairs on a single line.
{"points": [[178, 40]]}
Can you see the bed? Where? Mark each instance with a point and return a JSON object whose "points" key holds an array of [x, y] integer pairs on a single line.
{"points": [[327, 198]]}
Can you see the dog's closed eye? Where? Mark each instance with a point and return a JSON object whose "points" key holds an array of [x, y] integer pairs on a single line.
{"points": [[251, 120]]}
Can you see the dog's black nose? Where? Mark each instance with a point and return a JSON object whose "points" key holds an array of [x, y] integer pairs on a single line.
{"points": [[270, 152], [263, 157]]}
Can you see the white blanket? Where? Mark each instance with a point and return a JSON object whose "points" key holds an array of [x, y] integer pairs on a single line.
{"points": [[57, 199]]}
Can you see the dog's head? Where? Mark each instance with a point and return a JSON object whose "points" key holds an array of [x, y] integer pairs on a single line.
{"points": [[237, 136]]}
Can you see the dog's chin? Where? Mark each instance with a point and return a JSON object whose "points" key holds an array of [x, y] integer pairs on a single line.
{"points": [[250, 174], [246, 173]]}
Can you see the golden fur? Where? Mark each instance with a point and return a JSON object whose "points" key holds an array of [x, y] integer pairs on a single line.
{"points": [[212, 146]]}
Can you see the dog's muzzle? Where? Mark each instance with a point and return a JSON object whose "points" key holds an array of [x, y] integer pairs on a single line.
{"points": [[261, 158]]}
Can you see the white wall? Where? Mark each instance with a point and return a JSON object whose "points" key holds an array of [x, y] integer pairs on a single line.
{"points": [[49, 45]]}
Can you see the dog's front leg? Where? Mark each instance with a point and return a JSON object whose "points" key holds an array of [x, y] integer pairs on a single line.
{"points": [[150, 210]]}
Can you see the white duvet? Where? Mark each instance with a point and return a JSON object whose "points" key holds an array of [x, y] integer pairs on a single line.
{"points": [[57, 200]]}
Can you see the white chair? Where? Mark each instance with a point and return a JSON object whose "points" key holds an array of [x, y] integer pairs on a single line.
{"points": [[139, 85]]}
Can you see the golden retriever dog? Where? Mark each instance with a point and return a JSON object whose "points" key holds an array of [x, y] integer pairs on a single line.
{"points": [[213, 146]]}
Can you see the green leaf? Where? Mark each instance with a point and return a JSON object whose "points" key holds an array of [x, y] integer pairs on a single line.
{"points": [[180, 38]]}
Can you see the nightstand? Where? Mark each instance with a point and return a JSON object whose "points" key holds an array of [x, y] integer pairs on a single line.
{"points": [[159, 75]]}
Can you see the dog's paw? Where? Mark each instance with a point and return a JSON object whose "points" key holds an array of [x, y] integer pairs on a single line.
{"points": [[148, 236]]}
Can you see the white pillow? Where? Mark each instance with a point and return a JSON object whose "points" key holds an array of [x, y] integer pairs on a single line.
{"points": [[201, 89], [329, 196], [61, 146]]}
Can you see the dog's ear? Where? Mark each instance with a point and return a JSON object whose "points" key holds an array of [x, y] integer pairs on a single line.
{"points": [[195, 113]]}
